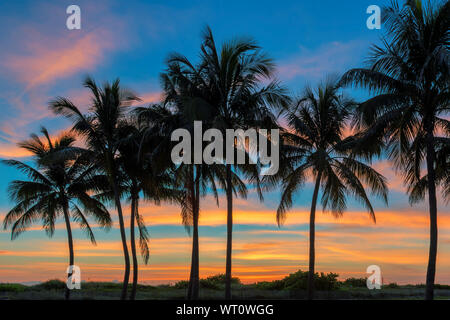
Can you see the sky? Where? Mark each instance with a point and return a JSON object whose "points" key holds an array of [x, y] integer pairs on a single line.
{"points": [[41, 59]]}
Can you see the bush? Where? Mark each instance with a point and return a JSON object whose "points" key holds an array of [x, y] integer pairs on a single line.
{"points": [[355, 282], [12, 287], [183, 284], [327, 281], [217, 282], [299, 281], [322, 281]]}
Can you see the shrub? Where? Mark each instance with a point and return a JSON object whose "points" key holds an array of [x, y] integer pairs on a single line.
{"points": [[299, 281], [217, 282], [12, 287], [50, 285], [183, 284], [355, 282], [326, 281]]}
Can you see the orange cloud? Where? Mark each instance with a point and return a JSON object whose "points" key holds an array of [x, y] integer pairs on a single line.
{"points": [[65, 57], [12, 151], [150, 97], [254, 213], [8, 150], [401, 254]]}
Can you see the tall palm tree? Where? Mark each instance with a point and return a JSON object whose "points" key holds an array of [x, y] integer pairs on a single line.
{"points": [[100, 128], [315, 147], [227, 84], [55, 188], [190, 182], [409, 75], [159, 121]]}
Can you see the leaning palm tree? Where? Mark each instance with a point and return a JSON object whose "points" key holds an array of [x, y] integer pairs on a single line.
{"points": [[409, 75], [100, 128], [57, 186], [315, 147], [227, 84]]}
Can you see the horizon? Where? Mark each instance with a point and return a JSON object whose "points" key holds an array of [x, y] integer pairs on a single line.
{"points": [[41, 60]]}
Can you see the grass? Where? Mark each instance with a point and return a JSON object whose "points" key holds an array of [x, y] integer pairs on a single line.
{"points": [[106, 290], [292, 286]]}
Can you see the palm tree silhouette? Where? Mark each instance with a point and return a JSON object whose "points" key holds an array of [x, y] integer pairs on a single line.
{"points": [[142, 173], [227, 86], [314, 147], [57, 186], [100, 129], [409, 74], [190, 182]]}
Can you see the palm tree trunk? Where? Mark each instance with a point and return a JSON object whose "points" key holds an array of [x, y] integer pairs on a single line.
{"points": [[194, 285], [431, 269], [134, 208], [70, 241], [229, 192], [196, 273], [123, 236], [312, 238], [191, 274]]}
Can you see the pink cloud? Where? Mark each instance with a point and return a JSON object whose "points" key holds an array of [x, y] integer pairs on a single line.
{"points": [[11, 150], [150, 97], [65, 57], [8, 150]]}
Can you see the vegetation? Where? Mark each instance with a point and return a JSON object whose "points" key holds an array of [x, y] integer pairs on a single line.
{"points": [[217, 282], [292, 286], [60, 185], [100, 129], [299, 281], [225, 88], [326, 136], [315, 147], [409, 75], [356, 282]]}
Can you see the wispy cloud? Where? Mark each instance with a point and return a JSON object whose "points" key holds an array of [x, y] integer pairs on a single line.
{"points": [[64, 58], [329, 58]]}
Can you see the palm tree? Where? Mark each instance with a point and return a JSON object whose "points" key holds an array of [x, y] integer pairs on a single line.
{"points": [[227, 85], [141, 174], [314, 147], [100, 128], [190, 181], [409, 75], [55, 188]]}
